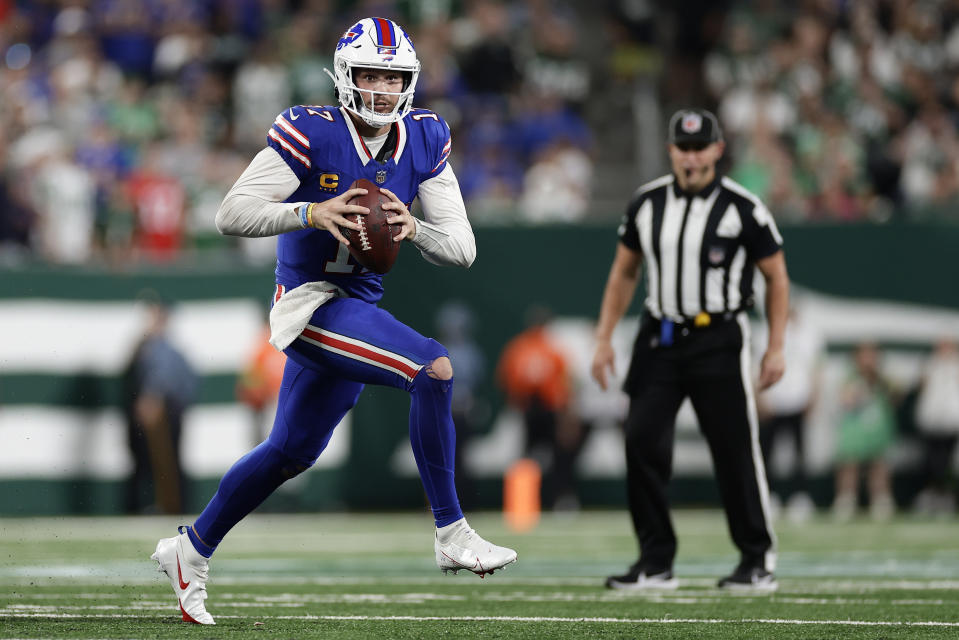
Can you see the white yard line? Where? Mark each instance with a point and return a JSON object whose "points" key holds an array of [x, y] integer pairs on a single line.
{"points": [[226, 598], [772, 621], [688, 586]]}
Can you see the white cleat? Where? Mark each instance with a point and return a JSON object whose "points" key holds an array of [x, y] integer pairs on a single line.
{"points": [[459, 547], [188, 572]]}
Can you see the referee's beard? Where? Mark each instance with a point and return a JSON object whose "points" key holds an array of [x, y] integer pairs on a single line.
{"points": [[695, 168], [693, 180]]}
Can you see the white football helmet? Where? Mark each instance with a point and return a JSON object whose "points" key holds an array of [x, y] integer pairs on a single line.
{"points": [[375, 43]]}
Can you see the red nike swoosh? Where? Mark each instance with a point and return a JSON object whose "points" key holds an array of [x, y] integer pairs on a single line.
{"points": [[179, 574]]}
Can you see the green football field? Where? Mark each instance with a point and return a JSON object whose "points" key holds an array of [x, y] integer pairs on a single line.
{"points": [[372, 576]]}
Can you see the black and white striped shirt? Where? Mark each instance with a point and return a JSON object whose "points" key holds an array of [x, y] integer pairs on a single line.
{"points": [[700, 250]]}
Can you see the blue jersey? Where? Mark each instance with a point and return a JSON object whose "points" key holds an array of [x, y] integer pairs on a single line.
{"points": [[323, 148]]}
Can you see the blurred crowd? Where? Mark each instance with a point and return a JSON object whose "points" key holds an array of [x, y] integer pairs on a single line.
{"points": [[842, 111], [124, 122], [873, 418], [846, 430], [876, 415]]}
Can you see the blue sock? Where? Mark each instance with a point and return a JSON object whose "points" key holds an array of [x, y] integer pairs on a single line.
{"points": [[433, 438], [203, 548], [245, 486]]}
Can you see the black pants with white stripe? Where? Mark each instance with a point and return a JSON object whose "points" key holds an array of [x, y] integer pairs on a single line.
{"points": [[711, 367]]}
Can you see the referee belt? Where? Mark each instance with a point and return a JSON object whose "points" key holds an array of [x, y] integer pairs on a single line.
{"points": [[700, 321], [669, 331]]}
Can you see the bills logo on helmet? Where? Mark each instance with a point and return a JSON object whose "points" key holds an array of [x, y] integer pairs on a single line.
{"points": [[350, 36], [375, 43], [692, 123]]}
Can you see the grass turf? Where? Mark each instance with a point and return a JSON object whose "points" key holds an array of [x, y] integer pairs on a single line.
{"points": [[372, 576]]}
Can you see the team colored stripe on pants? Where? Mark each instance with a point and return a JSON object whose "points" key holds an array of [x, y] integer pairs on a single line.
{"points": [[361, 351]]}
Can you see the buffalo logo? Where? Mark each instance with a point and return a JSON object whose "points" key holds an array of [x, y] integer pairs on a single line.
{"points": [[347, 38], [692, 123]]}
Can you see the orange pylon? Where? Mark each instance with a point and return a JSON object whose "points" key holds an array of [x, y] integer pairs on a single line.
{"points": [[521, 503]]}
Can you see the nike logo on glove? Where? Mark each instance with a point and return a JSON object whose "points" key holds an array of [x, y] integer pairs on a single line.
{"points": [[293, 116], [179, 574]]}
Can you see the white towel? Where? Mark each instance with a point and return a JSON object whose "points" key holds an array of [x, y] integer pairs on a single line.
{"points": [[292, 312]]}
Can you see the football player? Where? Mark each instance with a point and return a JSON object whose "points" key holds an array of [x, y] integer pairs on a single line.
{"points": [[325, 315]]}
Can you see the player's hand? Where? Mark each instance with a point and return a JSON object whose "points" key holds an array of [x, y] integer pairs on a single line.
{"points": [[401, 216], [330, 214], [772, 368], [604, 361]]}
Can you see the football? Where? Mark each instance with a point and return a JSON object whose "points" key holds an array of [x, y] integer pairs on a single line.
{"points": [[372, 246]]}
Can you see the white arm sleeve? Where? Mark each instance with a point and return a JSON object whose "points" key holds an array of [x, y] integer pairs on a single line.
{"points": [[446, 237], [254, 207]]}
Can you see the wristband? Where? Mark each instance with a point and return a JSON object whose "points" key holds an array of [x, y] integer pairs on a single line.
{"points": [[305, 211]]}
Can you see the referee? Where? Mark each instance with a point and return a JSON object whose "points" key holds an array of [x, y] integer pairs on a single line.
{"points": [[700, 235]]}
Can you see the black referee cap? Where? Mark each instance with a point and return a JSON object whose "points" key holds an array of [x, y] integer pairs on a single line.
{"points": [[697, 126]]}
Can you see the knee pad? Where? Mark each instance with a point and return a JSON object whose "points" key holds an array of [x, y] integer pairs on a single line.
{"points": [[434, 350], [441, 368], [423, 379]]}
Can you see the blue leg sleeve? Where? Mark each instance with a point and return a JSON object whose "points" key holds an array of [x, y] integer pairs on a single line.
{"points": [[433, 438], [362, 342], [310, 405], [245, 486]]}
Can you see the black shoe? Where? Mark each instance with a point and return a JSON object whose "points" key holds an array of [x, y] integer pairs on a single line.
{"points": [[746, 578], [639, 578]]}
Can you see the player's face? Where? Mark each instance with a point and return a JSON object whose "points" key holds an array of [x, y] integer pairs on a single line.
{"points": [[695, 165], [379, 84]]}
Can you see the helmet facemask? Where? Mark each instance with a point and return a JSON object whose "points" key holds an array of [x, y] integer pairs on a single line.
{"points": [[375, 43]]}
